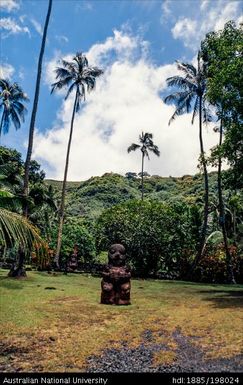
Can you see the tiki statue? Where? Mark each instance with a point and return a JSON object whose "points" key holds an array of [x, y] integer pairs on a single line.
{"points": [[116, 285], [72, 263]]}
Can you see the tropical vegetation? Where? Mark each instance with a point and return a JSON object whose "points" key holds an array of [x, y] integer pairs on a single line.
{"points": [[187, 227]]}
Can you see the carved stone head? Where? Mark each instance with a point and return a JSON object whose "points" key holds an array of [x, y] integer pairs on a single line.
{"points": [[116, 255]]}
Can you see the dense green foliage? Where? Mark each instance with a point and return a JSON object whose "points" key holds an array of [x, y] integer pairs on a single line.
{"points": [[222, 52], [157, 236], [75, 233], [89, 198]]}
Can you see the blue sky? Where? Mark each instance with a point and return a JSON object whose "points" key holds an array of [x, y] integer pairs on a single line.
{"points": [[136, 42]]}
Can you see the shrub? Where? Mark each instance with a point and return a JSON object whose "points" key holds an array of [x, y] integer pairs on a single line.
{"points": [[157, 236]]}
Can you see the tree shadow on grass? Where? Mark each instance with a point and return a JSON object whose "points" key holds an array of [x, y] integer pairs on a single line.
{"points": [[225, 299], [10, 283]]}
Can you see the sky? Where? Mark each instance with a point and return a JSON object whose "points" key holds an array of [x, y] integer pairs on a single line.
{"points": [[136, 43]]}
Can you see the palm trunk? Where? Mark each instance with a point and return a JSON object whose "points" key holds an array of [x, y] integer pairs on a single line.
{"points": [[142, 173], [230, 274], [62, 205], [1, 125], [34, 110], [201, 247], [19, 271]]}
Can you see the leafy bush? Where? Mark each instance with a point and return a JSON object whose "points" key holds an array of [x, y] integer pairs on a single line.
{"points": [[213, 266], [158, 237], [76, 233]]}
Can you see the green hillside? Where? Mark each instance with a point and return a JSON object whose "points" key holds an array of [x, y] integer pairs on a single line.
{"points": [[90, 197]]}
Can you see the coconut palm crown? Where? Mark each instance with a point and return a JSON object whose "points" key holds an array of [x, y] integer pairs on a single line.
{"points": [[146, 145], [11, 105], [191, 96], [76, 75]]}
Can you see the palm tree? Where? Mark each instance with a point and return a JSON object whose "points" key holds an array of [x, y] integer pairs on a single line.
{"points": [[146, 145], [34, 109], [191, 97], [11, 105], [75, 75]]}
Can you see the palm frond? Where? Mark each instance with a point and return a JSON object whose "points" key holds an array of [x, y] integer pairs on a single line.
{"points": [[15, 229], [15, 119], [70, 66], [133, 147], [179, 81], [177, 97], [20, 109], [71, 88], [6, 122], [154, 149], [187, 68], [61, 83], [62, 73], [179, 111]]}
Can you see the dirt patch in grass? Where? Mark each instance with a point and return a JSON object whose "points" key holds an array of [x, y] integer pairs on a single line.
{"points": [[151, 356]]}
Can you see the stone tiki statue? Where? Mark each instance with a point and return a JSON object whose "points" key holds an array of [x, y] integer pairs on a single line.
{"points": [[116, 285], [72, 263]]}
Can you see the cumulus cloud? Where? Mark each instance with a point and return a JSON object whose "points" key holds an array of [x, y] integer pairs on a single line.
{"points": [[127, 101], [185, 29], [12, 27], [212, 16], [6, 71], [9, 5]]}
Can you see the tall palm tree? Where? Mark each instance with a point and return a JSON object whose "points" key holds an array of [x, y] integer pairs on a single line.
{"points": [[11, 105], [76, 76], [146, 145], [191, 97], [34, 110]]}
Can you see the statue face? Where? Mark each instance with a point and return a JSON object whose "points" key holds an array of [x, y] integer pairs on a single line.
{"points": [[116, 255]]}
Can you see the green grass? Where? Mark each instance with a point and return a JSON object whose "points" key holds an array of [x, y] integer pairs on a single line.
{"points": [[55, 330]]}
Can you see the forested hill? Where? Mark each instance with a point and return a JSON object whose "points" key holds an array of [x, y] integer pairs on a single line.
{"points": [[90, 197]]}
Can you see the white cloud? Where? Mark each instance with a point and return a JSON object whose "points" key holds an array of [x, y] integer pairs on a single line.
{"points": [[122, 44], [184, 29], [9, 5], [166, 10], [11, 26], [126, 101], [37, 26], [6, 71], [204, 4], [211, 16]]}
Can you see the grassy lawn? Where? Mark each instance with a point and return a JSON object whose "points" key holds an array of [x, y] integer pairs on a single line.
{"points": [[56, 330]]}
